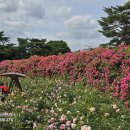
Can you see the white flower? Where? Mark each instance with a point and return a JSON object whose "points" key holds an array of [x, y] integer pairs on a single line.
{"points": [[60, 109], [114, 106], [52, 111], [56, 104], [12, 93], [68, 112], [23, 94], [73, 125], [107, 114], [119, 127], [85, 127], [74, 102], [92, 109], [74, 120], [68, 123], [81, 118], [122, 116]]}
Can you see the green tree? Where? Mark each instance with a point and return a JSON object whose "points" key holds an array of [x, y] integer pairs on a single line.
{"points": [[5, 47], [37, 47], [116, 25], [8, 52], [29, 47], [22, 46], [3, 39], [58, 47]]}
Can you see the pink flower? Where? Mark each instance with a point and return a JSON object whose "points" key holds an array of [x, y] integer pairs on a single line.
{"points": [[117, 110], [52, 111], [62, 127], [51, 127], [62, 118], [52, 120]]}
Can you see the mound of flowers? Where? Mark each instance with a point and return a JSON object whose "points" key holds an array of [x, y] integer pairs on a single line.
{"points": [[107, 70]]}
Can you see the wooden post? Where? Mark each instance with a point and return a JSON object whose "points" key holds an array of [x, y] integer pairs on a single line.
{"points": [[14, 80]]}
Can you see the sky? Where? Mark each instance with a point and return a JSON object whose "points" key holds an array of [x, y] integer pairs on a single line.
{"points": [[74, 21]]}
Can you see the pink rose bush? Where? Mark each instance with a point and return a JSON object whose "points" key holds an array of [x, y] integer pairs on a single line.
{"points": [[107, 70]]}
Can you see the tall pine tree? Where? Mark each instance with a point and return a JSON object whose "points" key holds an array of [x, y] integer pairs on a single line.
{"points": [[116, 25]]}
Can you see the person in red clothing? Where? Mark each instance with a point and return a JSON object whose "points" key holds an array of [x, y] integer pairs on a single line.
{"points": [[3, 90], [3, 87]]}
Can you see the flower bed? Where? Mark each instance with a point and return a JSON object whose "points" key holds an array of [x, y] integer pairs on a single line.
{"points": [[54, 104], [107, 70]]}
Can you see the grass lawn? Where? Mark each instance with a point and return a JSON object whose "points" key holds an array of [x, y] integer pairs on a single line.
{"points": [[54, 104]]}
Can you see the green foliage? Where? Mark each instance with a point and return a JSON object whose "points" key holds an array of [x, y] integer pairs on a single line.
{"points": [[5, 48], [8, 52], [51, 98], [3, 39], [117, 24], [105, 45], [58, 47], [29, 47], [127, 50]]}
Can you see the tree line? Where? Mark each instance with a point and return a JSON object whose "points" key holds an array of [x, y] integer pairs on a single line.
{"points": [[115, 26], [28, 47]]}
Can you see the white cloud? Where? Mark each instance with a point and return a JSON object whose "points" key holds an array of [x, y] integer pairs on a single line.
{"points": [[63, 11], [80, 27], [80, 22], [126, 0], [71, 20], [20, 16], [33, 8], [81, 32], [57, 10], [8, 5]]}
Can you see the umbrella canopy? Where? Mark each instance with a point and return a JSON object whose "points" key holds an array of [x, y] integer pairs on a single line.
{"points": [[13, 74]]}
